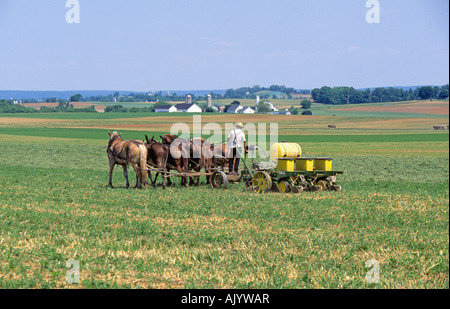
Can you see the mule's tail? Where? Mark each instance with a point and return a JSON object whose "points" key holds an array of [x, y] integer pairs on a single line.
{"points": [[143, 164]]}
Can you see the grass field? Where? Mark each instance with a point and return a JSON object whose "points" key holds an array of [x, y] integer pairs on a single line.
{"points": [[55, 206]]}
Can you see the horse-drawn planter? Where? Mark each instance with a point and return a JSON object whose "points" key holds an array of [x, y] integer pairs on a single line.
{"points": [[287, 171]]}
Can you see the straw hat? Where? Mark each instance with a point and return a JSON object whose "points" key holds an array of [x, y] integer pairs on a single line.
{"points": [[239, 125]]}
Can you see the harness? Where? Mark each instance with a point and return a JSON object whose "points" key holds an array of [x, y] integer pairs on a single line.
{"points": [[116, 154]]}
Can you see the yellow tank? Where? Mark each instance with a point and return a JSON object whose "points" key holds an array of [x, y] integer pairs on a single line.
{"points": [[285, 150], [304, 164], [323, 164], [285, 165]]}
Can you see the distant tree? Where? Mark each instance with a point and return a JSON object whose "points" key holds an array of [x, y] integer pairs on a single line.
{"points": [[306, 104], [76, 98], [426, 93], [293, 110], [443, 93], [307, 113], [263, 108]]}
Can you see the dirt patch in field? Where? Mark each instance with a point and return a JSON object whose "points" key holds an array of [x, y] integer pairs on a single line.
{"points": [[435, 108], [98, 108], [415, 123], [27, 121]]}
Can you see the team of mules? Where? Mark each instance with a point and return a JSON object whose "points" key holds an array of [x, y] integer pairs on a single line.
{"points": [[171, 153]]}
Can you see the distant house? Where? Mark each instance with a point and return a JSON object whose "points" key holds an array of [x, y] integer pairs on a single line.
{"points": [[273, 108], [215, 108], [286, 112], [188, 108], [234, 108], [248, 110], [165, 109]]}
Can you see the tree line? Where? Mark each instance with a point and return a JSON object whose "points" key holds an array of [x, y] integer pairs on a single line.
{"points": [[239, 93], [7, 106], [349, 95]]}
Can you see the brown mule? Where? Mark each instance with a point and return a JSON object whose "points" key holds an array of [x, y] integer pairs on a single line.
{"points": [[178, 157], [202, 156], [123, 152], [157, 155]]}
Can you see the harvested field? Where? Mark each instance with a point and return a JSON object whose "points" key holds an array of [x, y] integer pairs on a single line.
{"points": [[432, 107], [98, 108]]}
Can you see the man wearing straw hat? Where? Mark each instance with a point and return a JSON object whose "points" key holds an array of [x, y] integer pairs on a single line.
{"points": [[236, 139]]}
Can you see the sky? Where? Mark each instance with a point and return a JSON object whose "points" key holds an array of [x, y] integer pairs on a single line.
{"points": [[149, 45]]}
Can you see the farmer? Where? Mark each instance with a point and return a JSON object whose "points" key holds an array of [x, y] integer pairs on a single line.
{"points": [[235, 140]]}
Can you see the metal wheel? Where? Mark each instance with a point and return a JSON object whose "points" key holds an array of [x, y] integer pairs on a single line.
{"points": [[261, 182], [284, 187], [323, 185], [297, 190], [337, 188], [275, 187], [219, 180]]}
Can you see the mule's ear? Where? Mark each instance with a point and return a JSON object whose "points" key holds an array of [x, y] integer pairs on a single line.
{"points": [[109, 134], [153, 137], [146, 138]]}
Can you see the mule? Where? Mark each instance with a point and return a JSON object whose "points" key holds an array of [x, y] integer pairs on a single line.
{"points": [[202, 156], [124, 152], [178, 157], [157, 156]]}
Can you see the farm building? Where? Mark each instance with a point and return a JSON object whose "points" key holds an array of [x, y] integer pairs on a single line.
{"points": [[217, 108], [165, 109], [188, 108], [285, 112], [248, 110], [234, 108]]}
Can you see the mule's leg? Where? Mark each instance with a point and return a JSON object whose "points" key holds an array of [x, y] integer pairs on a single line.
{"points": [[169, 182], [151, 179], [125, 174], [162, 167], [138, 176], [164, 176], [156, 177], [184, 181], [144, 178], [111, 169]]}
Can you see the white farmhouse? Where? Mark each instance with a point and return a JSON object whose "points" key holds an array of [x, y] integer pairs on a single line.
{"points": [[248, 110], [234, 108], [165, 109], [188, 108]]}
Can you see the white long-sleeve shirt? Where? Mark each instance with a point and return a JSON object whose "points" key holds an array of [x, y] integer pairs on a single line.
{"points": [[236, 138]]}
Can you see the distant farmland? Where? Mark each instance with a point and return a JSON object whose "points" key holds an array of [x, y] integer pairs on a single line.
{"points": [[55, 206]]}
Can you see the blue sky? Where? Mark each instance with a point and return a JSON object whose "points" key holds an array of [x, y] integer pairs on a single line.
{"points": [[206, 44]]}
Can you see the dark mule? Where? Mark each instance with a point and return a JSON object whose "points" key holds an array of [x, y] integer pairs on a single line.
{"points": [[202, 156], [178, 157], [123, 152], [157, 157]]}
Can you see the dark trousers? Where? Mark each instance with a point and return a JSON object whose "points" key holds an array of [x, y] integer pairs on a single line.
{"points": [[234, 162]]}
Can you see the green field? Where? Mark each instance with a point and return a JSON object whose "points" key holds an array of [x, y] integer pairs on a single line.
{"points": [[55, 206]]}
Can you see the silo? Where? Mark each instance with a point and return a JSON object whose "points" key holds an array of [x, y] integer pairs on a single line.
{"points": [[209, 101]]}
